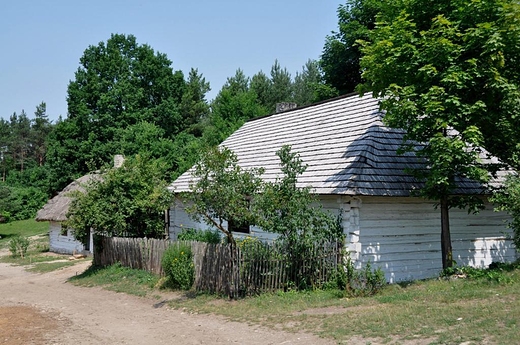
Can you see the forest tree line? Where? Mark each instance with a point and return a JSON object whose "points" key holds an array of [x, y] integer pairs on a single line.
{"points": [[127, 99]]}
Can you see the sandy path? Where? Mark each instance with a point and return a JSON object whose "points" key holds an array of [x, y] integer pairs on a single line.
{"points": [[78, 315]]}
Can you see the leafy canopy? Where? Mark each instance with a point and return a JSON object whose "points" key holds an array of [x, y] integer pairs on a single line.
{"points": [[446, 73], [125, 201], [288, 210], [119, 85], [341, 54], [222, 191]]}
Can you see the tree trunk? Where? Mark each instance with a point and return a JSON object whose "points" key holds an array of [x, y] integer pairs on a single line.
{"points": [[447, 254]]}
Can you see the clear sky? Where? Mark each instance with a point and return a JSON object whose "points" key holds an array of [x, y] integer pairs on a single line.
{"points": [[42, 41]]}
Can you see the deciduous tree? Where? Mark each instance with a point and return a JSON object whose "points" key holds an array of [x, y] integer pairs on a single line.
{"points": [[120, 83], [222, 191], [125, 201], [341, 54], [447, 73]]}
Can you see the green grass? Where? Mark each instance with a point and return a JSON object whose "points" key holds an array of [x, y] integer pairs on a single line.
{"points": [[37, 258], [119, 279], [44, 267], [24, 228], [470, 311]]}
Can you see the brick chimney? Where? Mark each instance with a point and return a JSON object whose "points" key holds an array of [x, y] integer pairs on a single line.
{"points": [[285, 106]]}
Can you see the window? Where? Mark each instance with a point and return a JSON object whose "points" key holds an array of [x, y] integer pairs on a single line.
{"points": [[237, 227]]}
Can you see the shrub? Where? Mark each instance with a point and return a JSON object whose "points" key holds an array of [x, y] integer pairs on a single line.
{"points": [[177, 263], [496, 273], [364, 282], [199, 236], [18, 246], [5, 217]]}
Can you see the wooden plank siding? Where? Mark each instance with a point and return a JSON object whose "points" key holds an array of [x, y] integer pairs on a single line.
{"points": [[179, 220], [403, 237], [63, 242]]}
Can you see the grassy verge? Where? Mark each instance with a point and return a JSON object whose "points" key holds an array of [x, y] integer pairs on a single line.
{"points": [[118, 278], [37, 259], [25, 228], [469, 311], [44, 267]]}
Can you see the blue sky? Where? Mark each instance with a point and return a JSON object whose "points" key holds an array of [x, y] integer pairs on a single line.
{"points": [[42, 41]]}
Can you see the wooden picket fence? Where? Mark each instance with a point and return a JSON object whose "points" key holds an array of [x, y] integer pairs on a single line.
{"points": [[233, 271], [139, 253]]}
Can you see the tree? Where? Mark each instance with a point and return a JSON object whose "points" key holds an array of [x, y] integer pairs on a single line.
{"points": [[447, 73], [305, 83], [5, 140], [119, 84], [41, 127], [222, 191], [286, 209], [20, 145], [280, 89], [341, 54], [193, 102], [125, 201], [260, 85]]}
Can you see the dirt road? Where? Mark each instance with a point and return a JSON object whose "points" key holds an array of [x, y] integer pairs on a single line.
{"points": [[45, 309]]}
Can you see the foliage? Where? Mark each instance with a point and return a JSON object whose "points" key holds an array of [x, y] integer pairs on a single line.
{"points": [[287, 209], [341, 53], [199, 236], [126, 201], [121, 84], [177, 263], [508, 199], [446, 73], [18, 246], [366, 281], [24, 179], [21, 202], [496, 272], [193, 105], [221, 191], [426, 67], [5, 217], [119, 279]]}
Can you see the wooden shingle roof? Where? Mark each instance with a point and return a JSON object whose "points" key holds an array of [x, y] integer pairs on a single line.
{"points": [[347, 148]]}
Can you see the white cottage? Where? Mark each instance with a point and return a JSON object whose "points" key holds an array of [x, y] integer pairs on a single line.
{"points": [[61, 238], [353, 167]]}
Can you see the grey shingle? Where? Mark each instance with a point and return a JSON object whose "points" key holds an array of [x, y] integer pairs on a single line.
{"points": [[347, 148]]}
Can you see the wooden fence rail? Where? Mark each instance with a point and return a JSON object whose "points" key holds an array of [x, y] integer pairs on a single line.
{"points": [[223, 269]]}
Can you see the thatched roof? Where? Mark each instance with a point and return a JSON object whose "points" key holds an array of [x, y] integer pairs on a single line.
{"points": [[56, 209], [346, 146]]}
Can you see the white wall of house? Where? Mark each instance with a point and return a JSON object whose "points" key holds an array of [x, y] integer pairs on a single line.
{"points": [[63, 242], [179, 220], [401, 235]]}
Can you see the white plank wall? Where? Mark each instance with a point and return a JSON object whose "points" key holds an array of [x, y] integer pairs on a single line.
{"points": [[402, 236], [61, 244], [179, 220]]}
